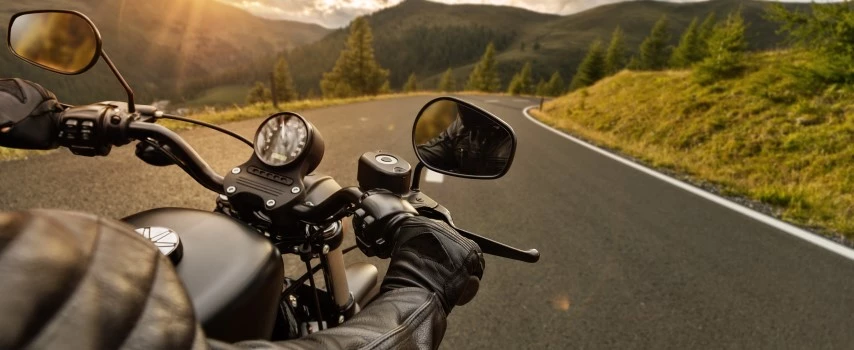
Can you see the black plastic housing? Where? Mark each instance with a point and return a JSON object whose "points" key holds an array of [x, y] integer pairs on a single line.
{"points": [[383, 170], [233, 275]]}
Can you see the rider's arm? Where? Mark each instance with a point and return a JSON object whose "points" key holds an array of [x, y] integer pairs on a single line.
{"points": [[432, 269]]}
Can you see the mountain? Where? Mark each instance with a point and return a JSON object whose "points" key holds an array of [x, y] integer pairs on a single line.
{"points": [[427, 38], [164, 48]]}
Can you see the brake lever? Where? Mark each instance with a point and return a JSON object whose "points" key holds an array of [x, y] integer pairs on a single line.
{"points": [[426, 206]]}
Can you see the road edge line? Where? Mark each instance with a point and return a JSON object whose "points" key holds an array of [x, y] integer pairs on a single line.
{"points": [[753, 214]]}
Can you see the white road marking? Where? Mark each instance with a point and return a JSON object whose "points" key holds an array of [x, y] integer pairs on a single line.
{"points": [[492, 101], [520, 100], [765, 219], [434, 177]]}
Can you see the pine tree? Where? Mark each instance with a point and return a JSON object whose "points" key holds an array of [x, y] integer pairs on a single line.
{"points": [[690, 49], [411, 84], [615, 59], [655, 50], [516, 86], [727, 46], [356, 72], [556, 86], [634, 63], [705, 32], [708, 26], [259, 93], [591, 69], [521, 83], [285, 90], [448, 83], [542, 88], [525, 77], [484, 77]]}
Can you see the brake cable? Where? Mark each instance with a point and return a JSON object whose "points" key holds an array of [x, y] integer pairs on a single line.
{"points": [[207, 125]]}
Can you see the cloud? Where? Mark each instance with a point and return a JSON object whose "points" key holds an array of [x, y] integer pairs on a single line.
{"points": [[337, 13], [329, 13]]}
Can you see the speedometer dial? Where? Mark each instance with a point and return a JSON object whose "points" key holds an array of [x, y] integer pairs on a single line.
{"points": [[281, 139]]}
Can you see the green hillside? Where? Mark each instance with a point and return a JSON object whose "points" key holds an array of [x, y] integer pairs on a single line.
{"points": [[166, 49], [756, 136], [427, 38]]}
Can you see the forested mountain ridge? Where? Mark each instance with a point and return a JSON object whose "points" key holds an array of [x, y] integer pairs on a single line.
{"points": [[426, 38], [166, 49]]}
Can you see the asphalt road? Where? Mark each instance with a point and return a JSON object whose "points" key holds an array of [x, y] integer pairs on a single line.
{"points": [[628, 261]]}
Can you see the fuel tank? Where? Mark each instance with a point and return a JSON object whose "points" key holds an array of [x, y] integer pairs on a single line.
{"points": [[233, 275]]}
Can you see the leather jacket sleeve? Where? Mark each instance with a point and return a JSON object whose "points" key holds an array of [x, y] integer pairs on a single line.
{"points": [[407, 318]]}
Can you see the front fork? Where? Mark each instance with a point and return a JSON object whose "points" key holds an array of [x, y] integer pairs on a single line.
{"points": [[313, 309]]}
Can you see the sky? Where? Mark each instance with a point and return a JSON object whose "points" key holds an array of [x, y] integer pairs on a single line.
{"points": [[337, 13]]}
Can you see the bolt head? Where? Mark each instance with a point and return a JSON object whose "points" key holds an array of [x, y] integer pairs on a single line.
{"points": [[295, 190], [271, 203], [231, 189], [325, 249], [235, 171], [340, 319]]}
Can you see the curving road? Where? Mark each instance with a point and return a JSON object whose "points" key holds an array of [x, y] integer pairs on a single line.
{"points": [[629, 261]]}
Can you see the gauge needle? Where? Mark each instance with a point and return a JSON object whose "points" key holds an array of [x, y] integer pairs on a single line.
{"points": [[283, 129]]}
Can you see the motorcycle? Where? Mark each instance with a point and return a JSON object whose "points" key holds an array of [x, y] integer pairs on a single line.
{"points": [[230, 260]]}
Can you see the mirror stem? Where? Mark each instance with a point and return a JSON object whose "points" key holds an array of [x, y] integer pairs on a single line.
{"points": [[416, 177], [131, 105]]}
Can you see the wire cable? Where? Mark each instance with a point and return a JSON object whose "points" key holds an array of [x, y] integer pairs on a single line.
{"points": [[207, 125]]}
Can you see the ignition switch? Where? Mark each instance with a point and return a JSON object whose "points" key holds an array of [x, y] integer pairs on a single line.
{"points": [[383, 170]]}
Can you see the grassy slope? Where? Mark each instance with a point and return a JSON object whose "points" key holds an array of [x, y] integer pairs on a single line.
{"points": [[748, 136]]}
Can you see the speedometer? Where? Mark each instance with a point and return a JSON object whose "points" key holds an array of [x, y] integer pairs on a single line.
{"points": [[281, 139]]}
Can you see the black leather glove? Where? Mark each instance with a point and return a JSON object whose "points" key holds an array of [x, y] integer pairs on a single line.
{"points": [[27, 115], [431, 255]]}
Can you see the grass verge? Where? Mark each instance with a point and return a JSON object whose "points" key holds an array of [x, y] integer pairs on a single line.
{"points": [[753, 137]]}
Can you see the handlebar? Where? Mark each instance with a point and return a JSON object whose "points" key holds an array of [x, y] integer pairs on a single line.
{"points": [[195, 165]]}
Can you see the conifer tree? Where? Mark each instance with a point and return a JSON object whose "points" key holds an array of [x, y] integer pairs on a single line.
{"points": [[542, 88], [285, 90], [411, 84], [516, 86], [655, 50], [690, 49], [556, 86], [259, 93], [356, 72], [708, 26], [522, 82], [447, 83], [634, 63], [484, 77], [727, 46], [591, 69], [615, 59]]}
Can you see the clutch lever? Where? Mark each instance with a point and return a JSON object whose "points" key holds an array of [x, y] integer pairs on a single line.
{"points": [[426, 206]]}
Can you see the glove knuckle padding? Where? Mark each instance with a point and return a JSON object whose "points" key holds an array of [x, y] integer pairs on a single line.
{"points": [[433, 256], [27, 108]]}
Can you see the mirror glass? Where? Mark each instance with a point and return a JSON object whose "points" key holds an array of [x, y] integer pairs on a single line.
{"points": [[455, 138], [59, 41]]}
